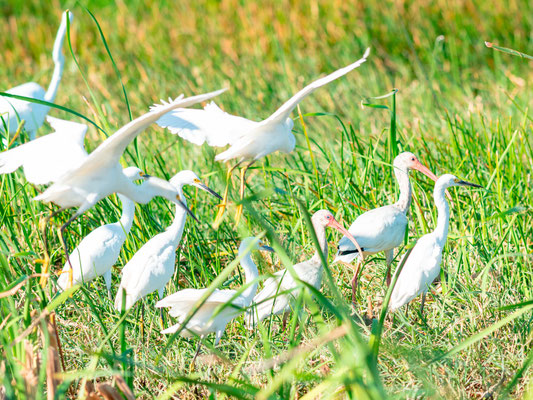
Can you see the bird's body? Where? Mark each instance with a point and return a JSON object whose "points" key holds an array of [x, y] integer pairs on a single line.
{"points": [[248, 140], [99, 174], [14, 110], [99, 250], [423, 264], [280, 290], [383, 228], [153, 265], [204, 321]]}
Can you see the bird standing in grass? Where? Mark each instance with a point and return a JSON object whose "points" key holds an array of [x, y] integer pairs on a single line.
{"points": [[221, 306], [100, 174], [280, 290], [14, 110], [423, 264], [249, 140], [99, 250], [153, 265], [383, 228]]}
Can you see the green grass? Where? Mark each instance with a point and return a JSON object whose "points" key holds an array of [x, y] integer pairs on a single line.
{"points": [[461, 107]]}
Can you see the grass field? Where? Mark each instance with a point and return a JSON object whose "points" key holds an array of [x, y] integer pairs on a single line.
{"points": [[460, 107]]}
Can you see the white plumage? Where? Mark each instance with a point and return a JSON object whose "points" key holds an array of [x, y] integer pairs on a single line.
{"points": [[423, 264], [45, 159], [99, 250], [249, 140], [279, 291], [152, 266], [13, 110], [204, 321], [383, 228]]}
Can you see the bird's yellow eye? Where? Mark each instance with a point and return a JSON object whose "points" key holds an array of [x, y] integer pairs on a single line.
{"points": [[141, 173], [196, 180], [456, 180], [178, 197]]}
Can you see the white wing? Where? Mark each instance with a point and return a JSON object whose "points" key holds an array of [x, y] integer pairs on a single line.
{"points": [[211, 125], [419, 271], [49, 157], [284, 111], [109, 152], [376, 230]]}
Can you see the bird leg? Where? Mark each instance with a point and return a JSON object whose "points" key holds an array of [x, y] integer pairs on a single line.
{"points": [[65, 248], [238, 214], [46, 260], [355, 279], [284, 321], [195, 354], [422, 304], [389, 255], [222, 205]]}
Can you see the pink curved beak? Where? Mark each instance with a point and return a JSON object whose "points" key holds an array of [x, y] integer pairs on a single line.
{"points": [[336, 225]]}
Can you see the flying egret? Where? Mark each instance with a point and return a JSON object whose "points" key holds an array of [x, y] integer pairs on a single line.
{"points": [[13, 110], [153, 265], [204, 320], [100, 174], [99, 250], [249, 140], [423, 264], [271, 301], [383, 228]]}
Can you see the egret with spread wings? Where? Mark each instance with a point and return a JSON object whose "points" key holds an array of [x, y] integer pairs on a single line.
{"points": [[249, 140]]}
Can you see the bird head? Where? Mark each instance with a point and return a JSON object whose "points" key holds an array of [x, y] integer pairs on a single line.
{"points": [[187, 177], [135, 173], [407, 161], [325, 218], [448, 180]]}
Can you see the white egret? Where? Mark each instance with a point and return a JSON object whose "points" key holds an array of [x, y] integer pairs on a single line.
{"points": [[99, 250], [153, 265], [204, 320], [423, 264], [100, 174], [249, 140], [274, 299], [33, 114], [383, 228]]}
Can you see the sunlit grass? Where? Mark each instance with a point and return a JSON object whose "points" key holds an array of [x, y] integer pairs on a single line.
{"points": [[462, 108]]}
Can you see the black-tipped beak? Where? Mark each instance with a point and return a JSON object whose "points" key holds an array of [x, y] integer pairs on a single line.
{"points": [[178, 201], [144, 176], [465, 183], [203, 186], [267, 248]]}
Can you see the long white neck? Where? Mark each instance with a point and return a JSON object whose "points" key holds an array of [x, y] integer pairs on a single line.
{"points": [[443, 210], [250, 273], [59, 61], [402, 176], [128, 213], [320, 231], [180, 217]]}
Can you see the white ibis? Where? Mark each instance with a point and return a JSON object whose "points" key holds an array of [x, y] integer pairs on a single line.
{"points": [[423, 264], [249, 140], [153, 265], [280, 290], [221, 306], [100, 174], [33, 114], [99, 250], [383, 228]]}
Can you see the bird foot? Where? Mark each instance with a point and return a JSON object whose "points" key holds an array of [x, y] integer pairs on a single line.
{"points": [[44, 269], [220, 215], [238, 215]]}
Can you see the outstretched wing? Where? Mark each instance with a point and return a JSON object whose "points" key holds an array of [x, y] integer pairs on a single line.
{"points": [[211, 125], [110, 151], [284, 111], [48, 157]]}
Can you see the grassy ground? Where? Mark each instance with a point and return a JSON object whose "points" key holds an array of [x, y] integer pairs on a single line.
{"points": [[462, 108]]}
